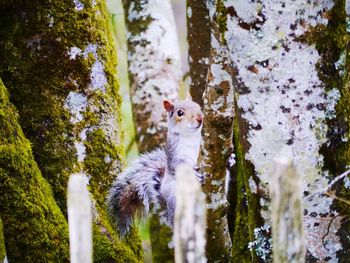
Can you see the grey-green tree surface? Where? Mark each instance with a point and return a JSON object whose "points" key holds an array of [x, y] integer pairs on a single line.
{"points": [[291, 89]]}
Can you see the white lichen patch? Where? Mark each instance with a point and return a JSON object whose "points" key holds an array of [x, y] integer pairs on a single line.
{"points": [[51, 20], [216, 200], [81, 150], [262, 244], [246, 10], [154, 61], [76, 104], [340, 64], [78, 5], [347, 182], [98, 77], [232, 160], [286, 102], [252, 185], [332, 97], [109, 125], [73, 52], [189, 12]]}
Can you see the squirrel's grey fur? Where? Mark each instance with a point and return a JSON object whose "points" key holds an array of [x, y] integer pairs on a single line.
{"points": [[150, 182]]}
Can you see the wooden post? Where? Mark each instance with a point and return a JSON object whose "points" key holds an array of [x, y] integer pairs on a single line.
{"points": [[287, 213], [79, 219], [190, 218]]}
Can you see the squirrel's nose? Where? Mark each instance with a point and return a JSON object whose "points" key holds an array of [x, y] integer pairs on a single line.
{"points": [[199, 118]]}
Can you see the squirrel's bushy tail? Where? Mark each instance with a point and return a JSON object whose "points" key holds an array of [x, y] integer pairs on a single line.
{"points": [[136, 189]]}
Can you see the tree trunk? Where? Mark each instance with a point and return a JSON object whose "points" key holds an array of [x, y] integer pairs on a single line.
{"points": [[217, 139], [154, 67], [292, 91], [155, 75], [60, 69], [35, 229], [198, 37]]}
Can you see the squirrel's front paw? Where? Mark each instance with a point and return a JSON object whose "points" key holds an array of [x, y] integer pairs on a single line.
{"points": [[199, 175]]}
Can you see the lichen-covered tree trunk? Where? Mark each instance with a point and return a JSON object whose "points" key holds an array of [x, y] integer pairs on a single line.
{"points": [[293, 91], [58, 61], [217, 132], [154, 67], [34, 227], [155, 75], [198, 37]]}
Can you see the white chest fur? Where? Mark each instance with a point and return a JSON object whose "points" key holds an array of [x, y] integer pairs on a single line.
{"points": [[188, 148]]}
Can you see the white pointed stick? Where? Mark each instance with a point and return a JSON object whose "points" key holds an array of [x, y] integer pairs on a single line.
{"points": [[79, 219], [190, 218], [287, 213]]}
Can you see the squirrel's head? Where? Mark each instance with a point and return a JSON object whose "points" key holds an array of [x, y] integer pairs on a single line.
{"points": [[184, 117]]}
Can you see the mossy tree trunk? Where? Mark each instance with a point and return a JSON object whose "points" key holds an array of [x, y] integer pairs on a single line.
{"points": [[34, 227], [155, 75], [292, 91], [59, 64], [198, 37], [217, 146]]}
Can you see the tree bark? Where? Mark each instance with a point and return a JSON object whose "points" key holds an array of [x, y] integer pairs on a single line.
{"points": [[35, 229], [217, 138], [154, 67], [292, 91], [60, 69], [198, 38], [155, 75]]}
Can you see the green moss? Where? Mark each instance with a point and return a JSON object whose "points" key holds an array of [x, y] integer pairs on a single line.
{"points": [[2, 243], [244, 208], [332, 42], [35, 229], [160, 237], [221, 19], [108, 248], [36, 66]]}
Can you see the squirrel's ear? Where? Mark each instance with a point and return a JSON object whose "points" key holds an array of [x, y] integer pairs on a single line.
{"points": [[168, 106], [189, 97]]}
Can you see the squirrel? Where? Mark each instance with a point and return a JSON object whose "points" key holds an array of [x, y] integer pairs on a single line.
{"points": [[150, 182]]}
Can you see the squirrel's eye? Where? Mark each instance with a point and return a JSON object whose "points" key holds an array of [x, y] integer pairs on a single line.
{"points": [[180, 113]]}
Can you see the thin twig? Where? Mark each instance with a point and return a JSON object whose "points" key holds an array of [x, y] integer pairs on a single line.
{"points": [[329, 226], [338, 198]]}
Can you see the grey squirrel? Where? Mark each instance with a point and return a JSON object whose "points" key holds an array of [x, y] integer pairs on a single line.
{"points": [[150, 182]]}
